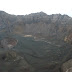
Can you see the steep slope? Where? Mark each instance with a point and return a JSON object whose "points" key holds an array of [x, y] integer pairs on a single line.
{"points": [[40, 24]]}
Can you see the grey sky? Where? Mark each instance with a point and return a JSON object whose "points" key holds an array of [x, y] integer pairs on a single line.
{"points": [[22, 7]]}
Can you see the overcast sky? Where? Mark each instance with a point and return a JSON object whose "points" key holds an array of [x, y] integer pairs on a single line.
{"points": [[23, 7]]}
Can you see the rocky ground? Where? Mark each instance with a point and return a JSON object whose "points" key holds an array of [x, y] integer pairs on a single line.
{"points": [[27, 55], [10, 61]]}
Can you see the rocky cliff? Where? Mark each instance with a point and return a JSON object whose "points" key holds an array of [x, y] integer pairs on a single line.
{"points": [[40, 24]]}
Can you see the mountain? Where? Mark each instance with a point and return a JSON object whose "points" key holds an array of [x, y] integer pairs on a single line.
{"points": [[31, 54], [55, 26]]}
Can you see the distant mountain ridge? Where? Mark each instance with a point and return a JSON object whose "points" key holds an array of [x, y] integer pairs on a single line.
{"points": [[39, 24]]}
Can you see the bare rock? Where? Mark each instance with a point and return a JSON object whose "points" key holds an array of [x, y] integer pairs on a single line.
{"points": [[67, 66], [8, 42]]}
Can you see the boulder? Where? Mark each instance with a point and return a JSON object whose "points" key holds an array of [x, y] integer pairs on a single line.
{"points": [[67, 66]]}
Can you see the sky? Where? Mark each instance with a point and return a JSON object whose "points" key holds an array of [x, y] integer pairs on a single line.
{"points": [[23, 7]]}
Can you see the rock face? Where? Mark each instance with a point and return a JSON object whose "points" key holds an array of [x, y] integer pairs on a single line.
{"points": [[39, 24], [68, 39], [8, 42], [67, 66]]}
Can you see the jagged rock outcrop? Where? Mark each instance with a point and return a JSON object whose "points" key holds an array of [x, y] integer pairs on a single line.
{"points": [[8, 42], [68, 38], [67, 66], [39, 24]]}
